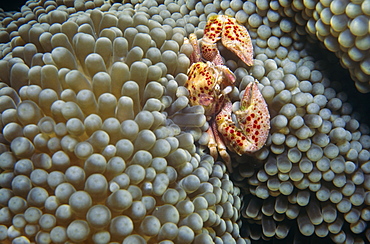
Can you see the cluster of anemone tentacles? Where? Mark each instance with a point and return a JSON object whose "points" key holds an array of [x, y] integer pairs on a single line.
{"points": [[94, 146], [95, 122]]}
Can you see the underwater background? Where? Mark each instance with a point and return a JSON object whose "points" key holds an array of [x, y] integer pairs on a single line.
{"points": [[69, 154]]}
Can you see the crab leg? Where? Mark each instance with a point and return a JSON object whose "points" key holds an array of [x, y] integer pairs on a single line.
{"points": [[196, 55], [216, 141], [212, 145], [234, 37]]}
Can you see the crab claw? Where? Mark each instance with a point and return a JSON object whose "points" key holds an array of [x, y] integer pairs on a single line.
{"points": [[233, 36], [236, 38], [254, 117], [235, 138]]}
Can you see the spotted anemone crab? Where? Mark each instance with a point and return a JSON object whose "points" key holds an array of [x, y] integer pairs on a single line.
{"points": [[209, 83]]}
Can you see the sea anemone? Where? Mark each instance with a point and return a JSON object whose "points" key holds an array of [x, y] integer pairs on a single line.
{"points": [[99, 144]]}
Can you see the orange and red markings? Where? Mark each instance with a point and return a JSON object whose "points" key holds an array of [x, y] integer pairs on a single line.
{"points": [[234, 37], [254, 116]]}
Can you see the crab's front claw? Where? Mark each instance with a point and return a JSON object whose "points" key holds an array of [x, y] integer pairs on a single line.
{"points": [[234, 37], [254, 117], [254, 122], [235, 138]]}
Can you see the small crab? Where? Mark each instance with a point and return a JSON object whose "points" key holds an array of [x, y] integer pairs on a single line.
{"points": [[210, 82]]}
